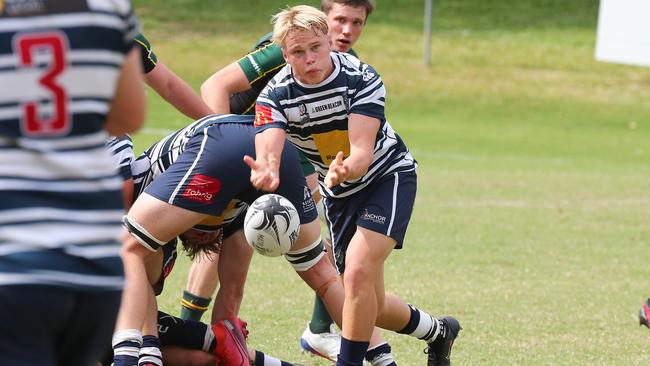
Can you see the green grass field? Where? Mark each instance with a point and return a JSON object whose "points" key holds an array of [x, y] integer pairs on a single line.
{"points": [[533, 210]]}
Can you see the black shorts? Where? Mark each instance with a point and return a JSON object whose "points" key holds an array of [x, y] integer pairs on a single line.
{"points": [[384, 206]]}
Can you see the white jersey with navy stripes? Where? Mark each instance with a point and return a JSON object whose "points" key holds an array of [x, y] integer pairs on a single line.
{"points": [[315, 118], [60, 192], [121, 149]]}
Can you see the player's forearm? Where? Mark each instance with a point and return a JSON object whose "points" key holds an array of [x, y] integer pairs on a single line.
{"points": [[358, 163], [176, 92], [268, 147], [183, 98], [179, 94], [362, 133]]}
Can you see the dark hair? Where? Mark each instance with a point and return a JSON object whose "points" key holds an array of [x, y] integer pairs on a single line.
{"points": [[326, 5], [207, 242]]}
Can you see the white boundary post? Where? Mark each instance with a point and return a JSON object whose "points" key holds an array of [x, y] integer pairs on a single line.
{"points": [[428, 15]]}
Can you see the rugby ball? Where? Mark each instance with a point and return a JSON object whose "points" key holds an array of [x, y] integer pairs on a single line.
{"points": [[271, 225]]}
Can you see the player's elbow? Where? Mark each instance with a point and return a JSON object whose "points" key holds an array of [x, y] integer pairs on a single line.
{"points": [[210, 87]]}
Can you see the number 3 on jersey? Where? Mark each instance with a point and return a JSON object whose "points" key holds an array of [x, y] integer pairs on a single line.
{"points": [[53, 119]]}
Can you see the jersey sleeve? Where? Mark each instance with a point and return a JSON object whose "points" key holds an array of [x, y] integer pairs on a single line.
{"points": [[147, 56], [121, 149], [244, 102], [268, 112], [262, 61], [369, 100]]}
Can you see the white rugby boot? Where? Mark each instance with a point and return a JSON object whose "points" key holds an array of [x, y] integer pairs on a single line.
{"points": [[326, 345]]}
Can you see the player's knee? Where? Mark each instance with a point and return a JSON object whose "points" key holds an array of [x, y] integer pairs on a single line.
{"points": [[358, 279], [307, 257]]}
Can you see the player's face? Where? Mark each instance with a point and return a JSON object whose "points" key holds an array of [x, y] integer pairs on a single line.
{"points": [[345, 25], [308, 53]]}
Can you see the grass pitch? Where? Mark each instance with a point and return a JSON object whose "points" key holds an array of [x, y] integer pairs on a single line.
{"points": [[531, 223]]}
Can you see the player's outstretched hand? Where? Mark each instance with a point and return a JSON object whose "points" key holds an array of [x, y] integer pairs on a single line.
{"points": [[263, 177], [338, 172]]}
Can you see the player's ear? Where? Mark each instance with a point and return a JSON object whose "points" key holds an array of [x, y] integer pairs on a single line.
{"points": [[284, 54]]}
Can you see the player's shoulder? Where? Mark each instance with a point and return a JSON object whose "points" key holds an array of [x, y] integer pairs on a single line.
{"points": [[265, 40], [347, 60], [353, 67], [120, 140], [283, 79]]}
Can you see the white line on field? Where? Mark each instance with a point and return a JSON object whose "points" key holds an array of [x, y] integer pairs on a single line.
{"points": [[584, 203], [157, 131]]}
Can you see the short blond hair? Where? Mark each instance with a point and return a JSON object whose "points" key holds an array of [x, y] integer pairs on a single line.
{"points": [[299, 17]]}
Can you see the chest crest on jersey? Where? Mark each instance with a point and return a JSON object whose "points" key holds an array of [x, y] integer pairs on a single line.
{"points": [[303, 115]]}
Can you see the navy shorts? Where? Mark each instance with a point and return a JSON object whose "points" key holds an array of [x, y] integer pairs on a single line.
{"points": [[50, 326], [385, 207], [210, 173]]}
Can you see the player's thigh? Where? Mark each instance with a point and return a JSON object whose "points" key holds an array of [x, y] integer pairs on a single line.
{"points": [[367, 252], [162, 220]]}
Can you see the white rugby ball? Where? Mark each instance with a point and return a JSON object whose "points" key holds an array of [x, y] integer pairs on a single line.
{"points": [[271, 225]]}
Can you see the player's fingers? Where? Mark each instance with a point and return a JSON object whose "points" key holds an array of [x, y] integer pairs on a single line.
{"points": [[275, 183], [331, 179], [328, 181], [339, 158], [339, 170], [250, 162]]}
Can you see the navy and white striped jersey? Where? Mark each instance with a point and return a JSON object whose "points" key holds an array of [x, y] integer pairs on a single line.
{"points": [[315, 118], [121, 149], [60, 192], [157, 158]]}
